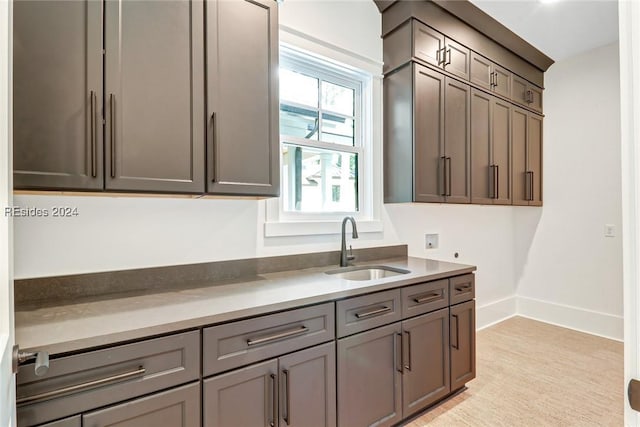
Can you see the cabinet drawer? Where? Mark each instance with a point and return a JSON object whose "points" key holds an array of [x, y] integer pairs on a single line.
{"points": [[425, 297], [368, 311], [236, 344], [90, 380], [179, 407], [462, 288]]}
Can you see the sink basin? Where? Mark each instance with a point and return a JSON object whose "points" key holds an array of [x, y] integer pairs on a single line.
{"points": [[369, 272]]}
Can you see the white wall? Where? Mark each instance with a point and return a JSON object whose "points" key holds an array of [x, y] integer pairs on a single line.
{"points": [[572, 274]]}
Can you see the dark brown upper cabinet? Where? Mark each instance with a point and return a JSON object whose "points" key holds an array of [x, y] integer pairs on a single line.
{"points": [[490, 75], [57, 95], [426, 124], [526, 94], [242, 97], [491, 142], [527, 157], [154, 87]]}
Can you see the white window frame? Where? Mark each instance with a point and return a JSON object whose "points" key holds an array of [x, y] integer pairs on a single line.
{"points": [[279, 222]]}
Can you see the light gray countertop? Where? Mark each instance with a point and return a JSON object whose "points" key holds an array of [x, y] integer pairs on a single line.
{"points": [[75, 327]]}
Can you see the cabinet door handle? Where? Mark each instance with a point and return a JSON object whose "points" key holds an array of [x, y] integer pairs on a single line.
{"points": [[492, 181], [457, 344], [495, 84], [407, 365], [497, 182], [397, 353], [112, 133], [41, 397], [94, 153], [372, 312], [444, 176], [441, 56], [422, 299], [529, 96], [448, 52], [448, 159], [213, 146], [274, 400], [280, 335], [287, 405], [532, 187], [463, 288]]}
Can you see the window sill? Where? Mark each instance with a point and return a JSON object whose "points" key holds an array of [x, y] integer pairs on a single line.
{"points": [[314, 228]]}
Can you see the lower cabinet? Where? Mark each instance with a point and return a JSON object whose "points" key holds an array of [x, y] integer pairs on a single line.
{"points": [[463, 344], [392, 372], [294, 390], [179, 407]]}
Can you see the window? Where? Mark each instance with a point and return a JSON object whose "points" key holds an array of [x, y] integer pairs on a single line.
{"points": [[321, 134]]}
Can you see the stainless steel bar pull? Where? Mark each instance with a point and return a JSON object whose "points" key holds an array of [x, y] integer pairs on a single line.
{"points": [[112, 133], [287, 416], [93, 137], [274, 400], [434, 296], [373, 312], [457, 344], [80, 387], [407, 364], [278, 336]]}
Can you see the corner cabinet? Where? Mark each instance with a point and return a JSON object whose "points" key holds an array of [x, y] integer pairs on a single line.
{"points": [[143, 96], [242, 97]]}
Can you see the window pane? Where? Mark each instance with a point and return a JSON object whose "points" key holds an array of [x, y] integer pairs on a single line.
{"points": [[318, 180], [299, 122], [336, 129], [337, 98], [298, 88]]}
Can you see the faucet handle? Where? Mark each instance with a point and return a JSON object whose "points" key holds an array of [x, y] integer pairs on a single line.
{"points": [[351, 256]]}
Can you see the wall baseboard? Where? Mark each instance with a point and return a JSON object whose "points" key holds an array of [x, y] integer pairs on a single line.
{"points": [[579, 319], [495, 312]]}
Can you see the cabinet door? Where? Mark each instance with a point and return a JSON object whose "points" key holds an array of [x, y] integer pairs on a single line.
{"points": [[426, 360], [57, 95], [242, 97], [428, 44], [482, 168], [519, 177], [179, 407], [501, 81], [463, 343], [457, 59], [535, 98], [534, 159], [457, 141], [519, 90], [501, 150], [480, 71], [308, 387], [429, 161], [244, 397], [154, 88], [369, 378]]}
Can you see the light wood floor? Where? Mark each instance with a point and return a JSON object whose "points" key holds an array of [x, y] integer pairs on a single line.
{"points": [[534, 374]]}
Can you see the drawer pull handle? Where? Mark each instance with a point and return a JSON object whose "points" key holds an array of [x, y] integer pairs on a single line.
{"points": [[281, 335], [465, 288], [375, 311], [81, 387], [428, 298]]}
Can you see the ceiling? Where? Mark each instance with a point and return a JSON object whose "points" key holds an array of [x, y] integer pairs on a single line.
{"points": [[561, 28]]}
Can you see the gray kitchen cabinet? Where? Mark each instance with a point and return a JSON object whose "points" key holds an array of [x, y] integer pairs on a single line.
{"points": [[425, 363], [527, 157], [295, 390], [463, 343], [491, 142], [57, 95], [244, 397], [456, 58], [434, 136], [369, 378], [242, 97], [178, 407], [154, 96], [526, 93], [490, 75]]}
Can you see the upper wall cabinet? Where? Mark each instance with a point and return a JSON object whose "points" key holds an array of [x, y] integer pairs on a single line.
{"points": [[135, 72], [527, 94], [57, 94], [242, 97], [490, 75], [154, 87]]}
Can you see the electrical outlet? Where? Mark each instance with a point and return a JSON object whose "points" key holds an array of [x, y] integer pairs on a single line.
{"points": [[609, 230], [430, 241]]}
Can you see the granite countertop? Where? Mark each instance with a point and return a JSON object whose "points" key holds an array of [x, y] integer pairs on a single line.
{"points": [[74, 327]]}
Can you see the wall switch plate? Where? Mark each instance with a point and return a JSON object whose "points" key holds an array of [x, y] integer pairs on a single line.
{"points": [[609, 230], [430, 241]]}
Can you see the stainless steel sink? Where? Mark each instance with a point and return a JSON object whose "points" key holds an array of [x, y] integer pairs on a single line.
{"points": [[369, 272]]}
